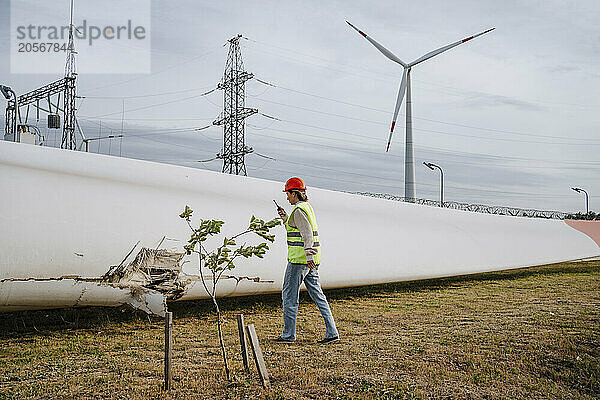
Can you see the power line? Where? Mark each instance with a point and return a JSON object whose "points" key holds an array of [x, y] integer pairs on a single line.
{"points": [[304, 142], [420, 118], [267, 157], [434, 148], [423, 130], [170, 143], [153, 105], [503, 192], [148, 94], [329, 178], [374, 72], [320, 167], [156, 72], [154, 119], [160, 132], [157, 132]]}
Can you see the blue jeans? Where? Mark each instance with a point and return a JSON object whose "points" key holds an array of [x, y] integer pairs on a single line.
{"points": [[290, 294]]}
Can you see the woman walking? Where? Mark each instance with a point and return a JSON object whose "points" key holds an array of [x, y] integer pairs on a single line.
{"points": [[304, 258]]}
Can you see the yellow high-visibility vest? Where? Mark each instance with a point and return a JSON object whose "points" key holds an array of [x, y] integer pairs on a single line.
{"points": [[294, 240]]}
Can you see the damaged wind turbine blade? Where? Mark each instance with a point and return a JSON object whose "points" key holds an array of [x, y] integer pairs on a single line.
{"points": [[401, 92], [83, 264], [443, 49], [382, 49]]}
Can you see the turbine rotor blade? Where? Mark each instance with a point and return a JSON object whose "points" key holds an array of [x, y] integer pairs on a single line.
{"points": [[443, 49], [379, 47], [401, 92]]}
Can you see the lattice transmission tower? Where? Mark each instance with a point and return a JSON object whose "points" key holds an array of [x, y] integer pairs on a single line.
{"points": [[234, 111], [50, 93], [68, 138]]}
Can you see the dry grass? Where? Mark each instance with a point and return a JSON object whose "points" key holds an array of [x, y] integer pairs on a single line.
{"points": [[529, 333]]}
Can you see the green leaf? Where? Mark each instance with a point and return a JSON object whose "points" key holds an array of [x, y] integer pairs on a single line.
{"points": [[187, 213], [189, 248], [272, 223]]}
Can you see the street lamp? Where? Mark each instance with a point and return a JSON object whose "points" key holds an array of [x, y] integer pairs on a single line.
{"points": [[6, 91], [88, 140], [579, 190], [431, 166]]}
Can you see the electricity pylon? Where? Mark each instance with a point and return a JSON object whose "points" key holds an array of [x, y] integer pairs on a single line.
{"points": [[234, 111], [68, 138], [65, 86]]}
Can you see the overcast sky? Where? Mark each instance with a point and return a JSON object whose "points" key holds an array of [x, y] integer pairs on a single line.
{"points": [[511, 116]]}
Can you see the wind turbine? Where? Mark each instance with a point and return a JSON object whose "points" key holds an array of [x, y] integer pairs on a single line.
{"points": [[409, 172]]}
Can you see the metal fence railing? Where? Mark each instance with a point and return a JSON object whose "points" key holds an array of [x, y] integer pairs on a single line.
{"points": [[500, 210]]}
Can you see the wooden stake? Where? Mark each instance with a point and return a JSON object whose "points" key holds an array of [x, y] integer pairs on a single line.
{"points": [[258, 356], [168, 349], [243, 342]]}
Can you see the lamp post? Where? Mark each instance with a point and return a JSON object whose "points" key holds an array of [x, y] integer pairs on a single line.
{"points": [[432, 166], [88, 140], [579, 190], [6, 91]]}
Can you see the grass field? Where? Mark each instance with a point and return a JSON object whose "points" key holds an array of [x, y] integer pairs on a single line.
{"points": [[521, 334]]}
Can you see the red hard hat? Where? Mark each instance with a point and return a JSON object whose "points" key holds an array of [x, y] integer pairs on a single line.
{"points": [[294, 183]]}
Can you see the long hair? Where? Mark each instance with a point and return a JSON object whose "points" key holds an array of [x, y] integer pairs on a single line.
{"points": [[301, 194]]}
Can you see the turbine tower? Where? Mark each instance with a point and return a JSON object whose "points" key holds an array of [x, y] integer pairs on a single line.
{"points": [[234, 111], [409, 172]]}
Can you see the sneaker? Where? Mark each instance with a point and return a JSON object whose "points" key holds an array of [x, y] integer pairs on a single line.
{"points": [[334, 339], [279, 339]]}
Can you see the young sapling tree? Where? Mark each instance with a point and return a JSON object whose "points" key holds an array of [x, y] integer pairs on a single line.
{"points": [[223, 258]]}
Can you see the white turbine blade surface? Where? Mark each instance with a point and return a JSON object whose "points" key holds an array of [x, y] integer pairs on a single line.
{"points": [[382, 49], [443, 49], [401, 92]]}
